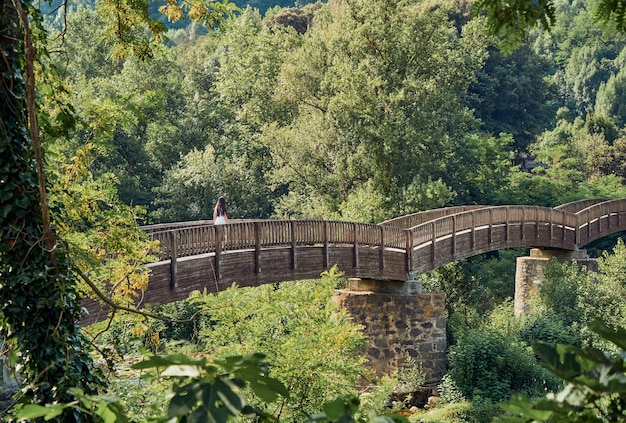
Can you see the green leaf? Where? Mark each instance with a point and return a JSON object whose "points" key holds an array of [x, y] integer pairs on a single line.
{"points": [[233, 401], [32, 411], [182, 403], [519, 404], [170, 360], [559, 360], [340, 407], [268, 388]]}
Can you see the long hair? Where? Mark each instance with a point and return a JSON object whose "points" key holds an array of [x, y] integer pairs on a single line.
{"points": [[220, 206]]}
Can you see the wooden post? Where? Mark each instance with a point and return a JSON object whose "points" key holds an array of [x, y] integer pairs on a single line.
{"points": [[381, 263], [551, 230], [409, 250], [173, 260], [453, 239], [536, 222], [490, 226], [293, 244], [522, 223], [326, 258], [218, 252], [433, 235], [600, 220], [506, 224], [473, 223], [356, 244], [257, 247], [577, 230], [563, 217]]}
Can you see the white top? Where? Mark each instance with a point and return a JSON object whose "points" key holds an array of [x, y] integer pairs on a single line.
{"points": [[219, 220]]}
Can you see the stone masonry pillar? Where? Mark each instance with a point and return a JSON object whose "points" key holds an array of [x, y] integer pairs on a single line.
{"points": [[529, 274], [399, 321]]}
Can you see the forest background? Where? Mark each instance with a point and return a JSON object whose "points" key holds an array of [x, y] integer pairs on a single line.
{"points": [[356, 111]]}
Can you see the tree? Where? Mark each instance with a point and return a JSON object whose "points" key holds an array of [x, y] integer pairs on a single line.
{"points": [[512, 95], [38, 294], [375, 116], [40, 302], [509, 19]]}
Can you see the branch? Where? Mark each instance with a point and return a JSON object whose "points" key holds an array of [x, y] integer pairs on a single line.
{"points": [[111, 303], [116, 306]]}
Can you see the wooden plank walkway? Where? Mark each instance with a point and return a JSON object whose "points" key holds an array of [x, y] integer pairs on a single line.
{"points": [[201, 256]]}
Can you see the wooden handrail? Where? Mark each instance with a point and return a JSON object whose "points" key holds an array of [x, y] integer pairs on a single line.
{"points": [[543, 226]]}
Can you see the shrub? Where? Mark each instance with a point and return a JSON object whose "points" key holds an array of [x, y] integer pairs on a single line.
{"points": [[490, 365], [549, 327]]}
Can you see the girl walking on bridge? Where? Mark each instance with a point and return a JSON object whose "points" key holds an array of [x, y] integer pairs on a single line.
{"points": [[219, 213]]}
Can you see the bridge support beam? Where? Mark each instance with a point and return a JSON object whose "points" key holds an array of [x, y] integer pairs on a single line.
{"points": [[529, 275], [399, 322]]}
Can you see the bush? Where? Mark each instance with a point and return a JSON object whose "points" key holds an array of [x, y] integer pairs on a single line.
{"points": [[449, 413], [479, 410], [490, 365], [551, 328]]}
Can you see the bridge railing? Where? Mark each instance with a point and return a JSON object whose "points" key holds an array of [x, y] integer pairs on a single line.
{"points": [[414, 219], [600, 219], [498, 216], [576, 206], [190, 240], [511, 225]]}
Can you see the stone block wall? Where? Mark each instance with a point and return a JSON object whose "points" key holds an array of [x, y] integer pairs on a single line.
{"points": [[398, 325]]}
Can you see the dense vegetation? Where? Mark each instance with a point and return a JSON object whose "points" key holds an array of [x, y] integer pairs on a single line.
{"points": [[349, 118], [348, 110]]}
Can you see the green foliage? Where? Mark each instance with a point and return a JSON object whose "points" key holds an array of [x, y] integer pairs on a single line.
{"points": [[290, 324], [342, 411], [363, 114], [509, 19], [578, 296], [203, 391], [207, 392], [479, 410], [561, 294], [473, 288], [512, 94], [38, 294], [455, 412], [137, 33], [297, 18], [106, 408], [612, 13], [550, 327], [595, 383], [490, 365]]}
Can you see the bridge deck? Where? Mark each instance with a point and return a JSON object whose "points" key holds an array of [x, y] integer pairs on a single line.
{"points": [[202, 256]]}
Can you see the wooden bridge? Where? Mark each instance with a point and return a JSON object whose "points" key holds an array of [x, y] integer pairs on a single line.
{"points": [[202, 256]]}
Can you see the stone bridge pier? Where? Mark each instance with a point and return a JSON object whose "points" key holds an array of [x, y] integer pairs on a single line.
{"points": [[399, 321], [529, 274]]}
